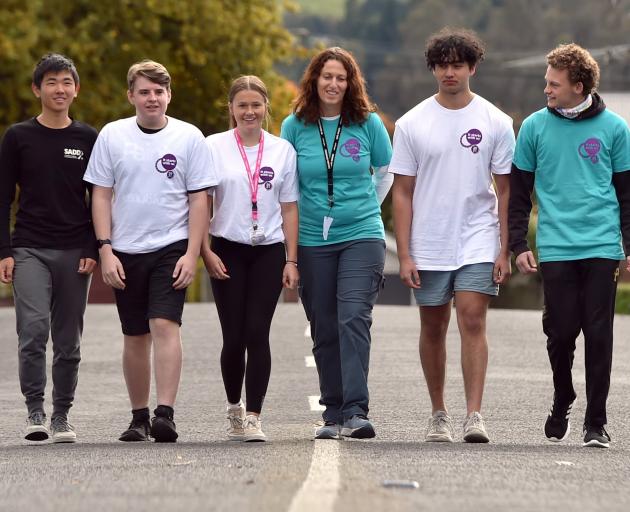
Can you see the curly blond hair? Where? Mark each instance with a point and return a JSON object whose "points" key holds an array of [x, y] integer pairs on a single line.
{"points": [[580, 64]]}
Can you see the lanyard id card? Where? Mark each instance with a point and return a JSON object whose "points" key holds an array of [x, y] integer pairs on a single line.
{"points": [[256, 232], [329, 158]]}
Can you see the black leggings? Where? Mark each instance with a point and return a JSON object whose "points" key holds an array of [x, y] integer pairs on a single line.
{"points": [[246, 303]]}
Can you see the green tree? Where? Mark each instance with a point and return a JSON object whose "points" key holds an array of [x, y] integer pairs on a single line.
{"points": [[203, 43]]}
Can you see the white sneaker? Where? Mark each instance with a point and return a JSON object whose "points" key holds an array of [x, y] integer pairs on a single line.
{"points": [[475, 429], [252, 430], [440, 428], [62, 431], [236, 417]]}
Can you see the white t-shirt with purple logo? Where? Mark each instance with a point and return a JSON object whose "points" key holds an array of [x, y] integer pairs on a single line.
{"points": [[232, 205], [151, 175], [453, 154]]}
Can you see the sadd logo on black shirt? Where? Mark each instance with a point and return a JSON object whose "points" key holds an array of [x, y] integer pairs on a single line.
{"points": [[75, 154]]}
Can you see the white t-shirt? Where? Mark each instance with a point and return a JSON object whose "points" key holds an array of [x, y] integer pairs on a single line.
{"points": [[453, 154], [151, 175], [232, 205]]}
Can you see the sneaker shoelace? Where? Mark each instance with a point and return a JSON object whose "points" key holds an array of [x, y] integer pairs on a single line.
{"points": [[251, 421], [474, 421], [61, 425], [236, 422], [37, 418], [138, 423], [439, 423]]}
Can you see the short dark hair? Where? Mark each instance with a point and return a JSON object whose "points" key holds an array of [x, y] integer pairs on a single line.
{"points": [[53, 63], [454, 45]]}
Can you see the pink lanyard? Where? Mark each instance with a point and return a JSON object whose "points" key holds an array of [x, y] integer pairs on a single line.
{"points": [[253, 178]]}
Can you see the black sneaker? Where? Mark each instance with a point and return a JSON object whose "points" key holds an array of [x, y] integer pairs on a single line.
{"points": [[596, 436], [163, 430], [557, 426], [138, 431]]}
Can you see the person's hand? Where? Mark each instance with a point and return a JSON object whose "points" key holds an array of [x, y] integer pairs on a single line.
{"points": [[526, 263], [184, 272], [409, 273], [6, 269], [290, 276], [112, 270], [86, 266], [215, 267], [502, 269]]}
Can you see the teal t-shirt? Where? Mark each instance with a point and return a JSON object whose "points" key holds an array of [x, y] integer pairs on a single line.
{"points": [[356, 212], [578, 211]]}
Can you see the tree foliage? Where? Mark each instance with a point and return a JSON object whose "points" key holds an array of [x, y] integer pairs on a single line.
{"points": [[203, 43]]}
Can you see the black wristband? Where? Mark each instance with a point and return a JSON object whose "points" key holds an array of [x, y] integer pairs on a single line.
{"points": [[292, 263]]}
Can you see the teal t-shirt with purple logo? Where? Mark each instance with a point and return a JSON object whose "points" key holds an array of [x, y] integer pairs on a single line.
{"points": [[356, 212], [578, 211]]}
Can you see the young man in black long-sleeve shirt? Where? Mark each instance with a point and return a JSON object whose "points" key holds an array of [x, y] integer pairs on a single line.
{"points": [[52, 252], [576, 155]]}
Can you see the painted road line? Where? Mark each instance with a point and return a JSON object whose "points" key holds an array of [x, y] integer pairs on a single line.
{"points": [[309, 361], [314, 403], [320, 488]]}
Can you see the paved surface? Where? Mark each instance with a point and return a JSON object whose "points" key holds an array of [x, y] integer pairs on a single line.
{"points": [[519, 470]]}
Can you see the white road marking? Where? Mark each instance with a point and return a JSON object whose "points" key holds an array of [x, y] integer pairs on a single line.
{"points": [[307, 331], [314, 403], [320, 488], [309, 361]]}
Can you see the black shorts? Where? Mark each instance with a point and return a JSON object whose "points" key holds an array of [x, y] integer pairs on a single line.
{"points": [[149, 291]]}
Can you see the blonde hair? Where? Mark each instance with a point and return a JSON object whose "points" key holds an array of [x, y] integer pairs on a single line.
{"points": [[580, 64], [248, 83], [151, 70]]}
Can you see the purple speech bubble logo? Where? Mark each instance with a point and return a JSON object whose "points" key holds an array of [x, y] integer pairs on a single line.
{"points": [[471, 139], [265, 176], [166, 164], [351, 148], [590, 148]]}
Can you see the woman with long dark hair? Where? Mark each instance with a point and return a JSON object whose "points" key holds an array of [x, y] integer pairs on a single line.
{"points": [[343, 151]]}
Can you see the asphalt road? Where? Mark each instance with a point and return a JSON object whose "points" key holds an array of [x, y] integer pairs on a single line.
{"points": [[518, 470]]}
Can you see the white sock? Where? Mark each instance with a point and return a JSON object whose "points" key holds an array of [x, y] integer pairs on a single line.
{"points": [[235, 406]]}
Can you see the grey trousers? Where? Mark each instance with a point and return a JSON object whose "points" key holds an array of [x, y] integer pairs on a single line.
{"points": [[339, 284], [50, 297]]}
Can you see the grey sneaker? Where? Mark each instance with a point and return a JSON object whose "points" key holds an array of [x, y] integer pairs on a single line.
{"points": [[252, 429], [440, 428], [36, 427], [62, 431], [236, 418], [358, 427], [475, 429], [329, 430]]}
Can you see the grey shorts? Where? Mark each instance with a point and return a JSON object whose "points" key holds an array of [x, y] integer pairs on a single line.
{"points": [[437, 287]]}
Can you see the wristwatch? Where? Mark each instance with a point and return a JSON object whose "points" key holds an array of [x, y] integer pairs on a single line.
{"points": [[103, 242]]}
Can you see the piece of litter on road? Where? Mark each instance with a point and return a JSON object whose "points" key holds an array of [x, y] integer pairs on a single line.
{"points": [[401, 484], [564, 463], [182, 463]]}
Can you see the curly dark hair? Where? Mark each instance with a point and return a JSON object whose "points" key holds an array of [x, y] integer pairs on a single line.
{"points": [[580, 64], [454, 45], [356, 105]]}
